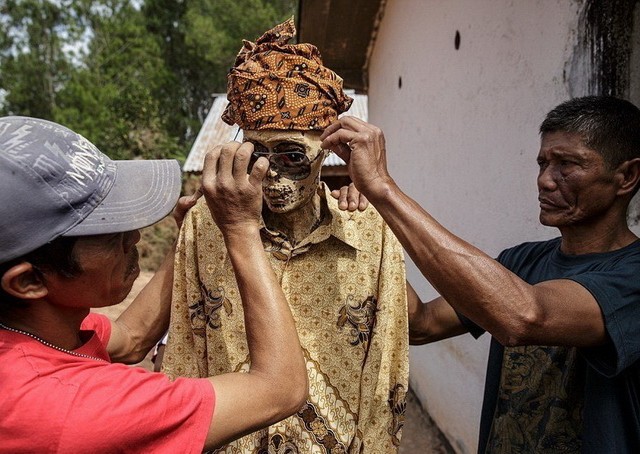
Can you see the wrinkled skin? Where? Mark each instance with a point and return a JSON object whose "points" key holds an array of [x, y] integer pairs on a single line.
{"points": [[282, 194], [574, 183], [109, 266]]}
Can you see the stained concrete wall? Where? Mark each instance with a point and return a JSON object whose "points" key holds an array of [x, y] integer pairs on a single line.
{"points": [[460, 88]]}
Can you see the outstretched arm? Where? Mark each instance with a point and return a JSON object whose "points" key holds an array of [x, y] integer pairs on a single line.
{"points": [[246, 402], [432, 321], [553, 312], [146, 319]]}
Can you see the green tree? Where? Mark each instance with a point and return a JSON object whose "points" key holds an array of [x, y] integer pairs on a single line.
{"points": [[33, 60], [116, 97], [201, 39], [135, 77]]}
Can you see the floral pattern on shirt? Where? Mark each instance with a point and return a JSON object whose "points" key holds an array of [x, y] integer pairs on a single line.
{"points": [[540, 402], [346, 286]]}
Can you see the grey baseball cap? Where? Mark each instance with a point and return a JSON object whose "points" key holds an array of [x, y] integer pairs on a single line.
{"points": [[54, 182]]}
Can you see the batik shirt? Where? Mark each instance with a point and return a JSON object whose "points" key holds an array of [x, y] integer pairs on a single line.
{"points": [[346, 286], [548, 399]]}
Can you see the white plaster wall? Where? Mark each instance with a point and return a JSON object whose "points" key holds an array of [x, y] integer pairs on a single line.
{"points": [[462, 140]]}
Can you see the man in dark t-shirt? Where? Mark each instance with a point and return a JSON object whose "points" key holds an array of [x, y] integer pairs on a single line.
{"points": [[564, 314], [555, 397]]}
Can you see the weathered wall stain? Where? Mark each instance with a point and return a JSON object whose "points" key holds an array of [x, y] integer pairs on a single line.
{"points": [[601, 59]]}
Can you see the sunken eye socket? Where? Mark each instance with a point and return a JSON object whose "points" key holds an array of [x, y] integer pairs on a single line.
{"points": [[284, 147], [292, 157], [289, 148]]}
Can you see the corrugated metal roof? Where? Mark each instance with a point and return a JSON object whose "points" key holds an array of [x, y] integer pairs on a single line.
{"points": [[214, 131]]}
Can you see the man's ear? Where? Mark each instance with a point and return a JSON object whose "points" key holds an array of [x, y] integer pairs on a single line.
{"points": [[629, 172], [23, 281]]}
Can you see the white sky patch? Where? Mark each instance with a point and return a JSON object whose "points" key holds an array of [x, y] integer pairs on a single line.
{"points": [[74, 49], [105, 10], [78, 50]]}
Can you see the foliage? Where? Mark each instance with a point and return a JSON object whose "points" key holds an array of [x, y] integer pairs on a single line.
{"points": [[135, 77], [202, 38], [33, 65], [114, 98]]}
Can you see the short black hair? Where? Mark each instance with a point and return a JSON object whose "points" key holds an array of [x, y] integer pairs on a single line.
{"points": [[608, 125], [56, 256]]}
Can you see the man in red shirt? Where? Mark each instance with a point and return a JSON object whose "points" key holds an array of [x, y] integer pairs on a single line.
{"points": [[68, 229]]}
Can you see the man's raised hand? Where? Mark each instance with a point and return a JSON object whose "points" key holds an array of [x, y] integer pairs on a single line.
{"points": [[233, 196], [361, 145]]}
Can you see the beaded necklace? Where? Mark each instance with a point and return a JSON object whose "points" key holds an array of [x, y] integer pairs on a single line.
{"points": [[48, 344]]}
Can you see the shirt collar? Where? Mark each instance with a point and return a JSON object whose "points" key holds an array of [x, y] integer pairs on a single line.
{"points": [[343, 224], [337, 223]]}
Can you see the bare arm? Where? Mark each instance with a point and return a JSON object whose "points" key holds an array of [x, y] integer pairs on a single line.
{"points": [[559, 312], [146, 319], [248, 401], [432, 321]]}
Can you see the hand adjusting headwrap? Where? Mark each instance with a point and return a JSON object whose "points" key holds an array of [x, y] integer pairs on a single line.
{"points": [[275, 85]]}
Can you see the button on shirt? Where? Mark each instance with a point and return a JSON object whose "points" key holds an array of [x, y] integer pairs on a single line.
{"points": [[346, 286]]}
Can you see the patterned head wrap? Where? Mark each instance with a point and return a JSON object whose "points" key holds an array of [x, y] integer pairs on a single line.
{"points": [[275, 85]]}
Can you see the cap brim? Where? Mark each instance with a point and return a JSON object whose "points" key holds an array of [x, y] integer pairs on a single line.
{"points": [[143, 193]]}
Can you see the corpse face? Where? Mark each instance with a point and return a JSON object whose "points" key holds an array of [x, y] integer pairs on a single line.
{"points": [[295, 159]]}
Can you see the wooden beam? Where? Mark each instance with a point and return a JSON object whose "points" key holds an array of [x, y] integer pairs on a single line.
{"points": [[343, 31]]}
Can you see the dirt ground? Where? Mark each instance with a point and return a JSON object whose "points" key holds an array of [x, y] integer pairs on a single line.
{"points": [[420, 435]]}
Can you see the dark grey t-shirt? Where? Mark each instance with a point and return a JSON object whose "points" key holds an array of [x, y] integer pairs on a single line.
{"points": [[541, 399]]}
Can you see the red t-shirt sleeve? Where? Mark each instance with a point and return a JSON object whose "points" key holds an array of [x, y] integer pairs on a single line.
{"points": [[138, 411], [100, 324], [107, 406]]}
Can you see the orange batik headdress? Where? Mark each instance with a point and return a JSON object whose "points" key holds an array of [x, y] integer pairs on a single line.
{"points": [[275, 85]]}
